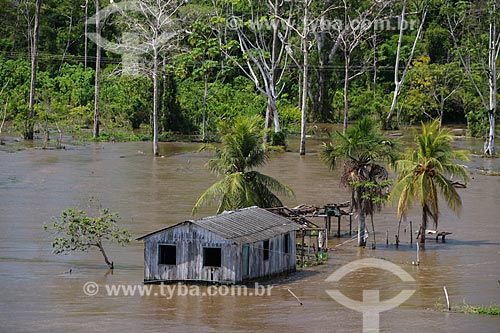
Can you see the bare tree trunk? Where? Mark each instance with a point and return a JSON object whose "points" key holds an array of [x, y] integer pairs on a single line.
{"points": [[490, 71], [362, 228], [205, 95], [305, 79], [106, 259], [28, 131], [361, 218], [489, 145], [398, 82], [86, 34], [155, 103], [97, 97], [373, 230], [346, 89]]}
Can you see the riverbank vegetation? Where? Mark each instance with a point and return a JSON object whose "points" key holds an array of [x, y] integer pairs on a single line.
{"points": [[290, 63]]}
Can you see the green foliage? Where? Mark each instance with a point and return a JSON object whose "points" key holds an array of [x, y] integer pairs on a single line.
{"points": [[477, 123], [365, 103], [121, 136], [361, 141], [290, 115], [208, 53], [242, 150], [360, 148], [126, 100], [225, 101], [492, 309], [74, 230], [278, 139]]}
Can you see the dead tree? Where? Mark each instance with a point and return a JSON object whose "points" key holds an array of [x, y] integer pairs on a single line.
{"points": [[399, 80]]}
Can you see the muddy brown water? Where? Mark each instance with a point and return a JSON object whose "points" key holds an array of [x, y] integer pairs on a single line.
{"points": [[151, 193]]}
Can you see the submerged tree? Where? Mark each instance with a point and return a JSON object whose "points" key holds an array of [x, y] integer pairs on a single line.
{"points": [[473, 26], [150, 28], [28, 130], [242, 150], [423, 175], [76, 231], [360, 149]]}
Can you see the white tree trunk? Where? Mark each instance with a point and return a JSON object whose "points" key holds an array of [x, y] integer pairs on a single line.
{"points": [[155, 103], [204, 120], [97, 96], [398, 82], [362, 228], [305, 79], [346, 90], [489, 145], [34, 62]]}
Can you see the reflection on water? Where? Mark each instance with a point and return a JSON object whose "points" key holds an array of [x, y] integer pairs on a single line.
{"points": [[151, 193]]}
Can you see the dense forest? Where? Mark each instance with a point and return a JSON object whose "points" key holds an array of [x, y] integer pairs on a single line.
{"points": [[174, 66]]}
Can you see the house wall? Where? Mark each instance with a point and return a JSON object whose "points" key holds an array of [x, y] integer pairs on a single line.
{"points": [[278, 261], [190, 241]]}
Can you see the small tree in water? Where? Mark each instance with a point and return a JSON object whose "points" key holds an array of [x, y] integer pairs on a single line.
{"points": [[74, 230]]}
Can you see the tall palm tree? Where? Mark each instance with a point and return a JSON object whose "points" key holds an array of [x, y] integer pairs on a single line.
{"points": [[242, 150], [423, 175], [360, 148]]}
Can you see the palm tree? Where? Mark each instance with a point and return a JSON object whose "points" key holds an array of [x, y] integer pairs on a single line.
{"points": [[423, 174], [242, 150], [360, 148]]}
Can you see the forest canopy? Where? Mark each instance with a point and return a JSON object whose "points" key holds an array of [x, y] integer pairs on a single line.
{"points": [[400, 62]]}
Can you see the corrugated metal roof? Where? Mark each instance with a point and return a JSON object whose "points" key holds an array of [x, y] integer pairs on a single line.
{"points": [[244, 226]]}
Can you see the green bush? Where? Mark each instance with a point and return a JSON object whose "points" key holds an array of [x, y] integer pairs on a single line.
{"points": [[278, 139], [477, 123]]}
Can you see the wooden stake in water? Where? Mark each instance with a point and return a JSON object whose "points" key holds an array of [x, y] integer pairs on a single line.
{"points": [[411, 234], [418, 254], [298, 300], [447, 299]]}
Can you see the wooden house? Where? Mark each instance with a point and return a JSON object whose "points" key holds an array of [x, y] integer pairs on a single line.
{"points": [[233, 247]]}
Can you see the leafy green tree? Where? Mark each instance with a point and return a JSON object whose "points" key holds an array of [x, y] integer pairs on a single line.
{"points": [[360, 148], [423, 175], [441, 81], [242, 150], [76, 231]]}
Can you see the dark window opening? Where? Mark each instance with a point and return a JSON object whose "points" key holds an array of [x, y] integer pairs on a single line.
{"points": [[212, 256], [167, 255], [266, 250], [286, 243]]}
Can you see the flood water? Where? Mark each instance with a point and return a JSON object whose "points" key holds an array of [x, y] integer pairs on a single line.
{"points": [[150, 193]]}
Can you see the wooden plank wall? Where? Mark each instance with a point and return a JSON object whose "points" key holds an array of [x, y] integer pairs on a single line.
{"points": [[278, 261], [190, 240]]}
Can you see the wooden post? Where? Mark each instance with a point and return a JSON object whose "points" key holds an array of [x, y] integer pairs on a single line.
{"points": [[350, 224], [447, 299], [326, 226], [338, 225], [418, 254], [329, 224], [309, 246], [411, 234], [298, 300], [303, 241]]}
